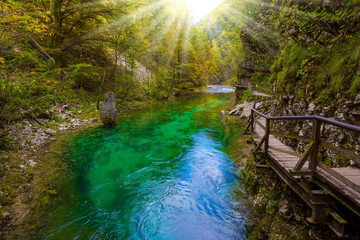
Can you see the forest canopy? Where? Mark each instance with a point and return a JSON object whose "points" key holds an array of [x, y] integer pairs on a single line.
{"points": [[75, 50]]}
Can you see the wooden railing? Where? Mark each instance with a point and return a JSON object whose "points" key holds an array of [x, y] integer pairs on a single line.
{"points": [[315, 142]]}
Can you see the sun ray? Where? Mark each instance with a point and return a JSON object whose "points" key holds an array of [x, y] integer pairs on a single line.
{"points": [[186, 44], [161, 34], [201, 8], [232, 13], [150, 28], [125, 20], [175, 39]]}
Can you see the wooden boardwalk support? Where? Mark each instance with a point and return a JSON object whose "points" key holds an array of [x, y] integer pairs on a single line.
{"points": [[323, 188]]}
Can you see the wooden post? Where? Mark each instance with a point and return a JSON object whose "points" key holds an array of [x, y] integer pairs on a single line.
{"points": [[316, 138], [252, 122], [317, 214], [267, 133]]}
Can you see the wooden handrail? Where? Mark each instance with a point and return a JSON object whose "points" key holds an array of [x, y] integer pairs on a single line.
{"points": [[311, 152], [289, 165], [311, 117], [306, 117]]}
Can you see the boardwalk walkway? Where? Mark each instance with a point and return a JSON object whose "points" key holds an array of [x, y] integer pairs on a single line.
{"points": [[332, 193]]}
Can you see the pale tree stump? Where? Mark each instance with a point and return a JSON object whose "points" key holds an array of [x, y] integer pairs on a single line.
{"points": [[109, 112]]}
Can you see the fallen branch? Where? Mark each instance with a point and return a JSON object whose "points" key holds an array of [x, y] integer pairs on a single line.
{"points": [[37, 45], [36, 119]]}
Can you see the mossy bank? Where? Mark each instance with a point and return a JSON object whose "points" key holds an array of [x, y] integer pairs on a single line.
{"points": [[27, 179]]}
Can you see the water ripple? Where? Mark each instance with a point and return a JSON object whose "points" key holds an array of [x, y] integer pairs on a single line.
{"points": [[163, 173]]}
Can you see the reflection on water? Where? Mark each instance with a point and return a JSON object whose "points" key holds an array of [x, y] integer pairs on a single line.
{"points": [[163, 173]]}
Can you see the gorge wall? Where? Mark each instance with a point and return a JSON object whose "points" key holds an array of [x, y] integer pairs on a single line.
{"points": [[308, 56], [313, 50]]}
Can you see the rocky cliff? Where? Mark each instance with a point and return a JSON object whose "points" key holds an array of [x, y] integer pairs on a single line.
{"points": [[317, 72]]}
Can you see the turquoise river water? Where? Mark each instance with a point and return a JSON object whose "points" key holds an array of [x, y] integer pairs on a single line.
{"points": [[164, 172]]}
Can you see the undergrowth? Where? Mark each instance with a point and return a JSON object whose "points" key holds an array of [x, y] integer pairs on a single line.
{"points": [[319, 71]]}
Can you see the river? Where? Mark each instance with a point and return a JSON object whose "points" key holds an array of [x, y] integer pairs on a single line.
{"points": [[164, 172]]}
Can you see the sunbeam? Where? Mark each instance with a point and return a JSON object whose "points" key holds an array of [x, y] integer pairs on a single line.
{"points": [[125, 20], [201, 8]]}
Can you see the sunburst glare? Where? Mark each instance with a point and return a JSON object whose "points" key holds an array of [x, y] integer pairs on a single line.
{"points": [[200, 8]]}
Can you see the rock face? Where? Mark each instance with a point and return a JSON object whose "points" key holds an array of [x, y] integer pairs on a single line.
{"points": [[341, 109], [109, 112]]}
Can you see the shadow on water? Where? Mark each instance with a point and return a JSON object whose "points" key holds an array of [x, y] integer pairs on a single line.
{"points": [[164, 172]]}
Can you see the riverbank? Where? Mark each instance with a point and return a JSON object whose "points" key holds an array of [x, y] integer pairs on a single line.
{"points": [[20, 164], [24, 174], [47, 173], [164, 142]]}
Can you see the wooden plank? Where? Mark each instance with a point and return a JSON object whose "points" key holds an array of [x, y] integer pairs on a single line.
{"points": [[348, 171], [304, 157], [281, 159], [291, 136], [258, 123], [286, 158], [339, 190], [281, 146], [322, 197], [333, 184], [337, 224], [285, 151], [341, 178], [276, 143], [261, 120], [287, 165], [291, 181], [341, 151], [282, 154], [354, 179]]}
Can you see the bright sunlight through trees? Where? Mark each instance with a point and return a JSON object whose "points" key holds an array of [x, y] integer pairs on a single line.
{"points": [[200, 8]]}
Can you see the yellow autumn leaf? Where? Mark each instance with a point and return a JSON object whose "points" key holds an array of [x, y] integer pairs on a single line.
{"points": [[2, 60]]}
